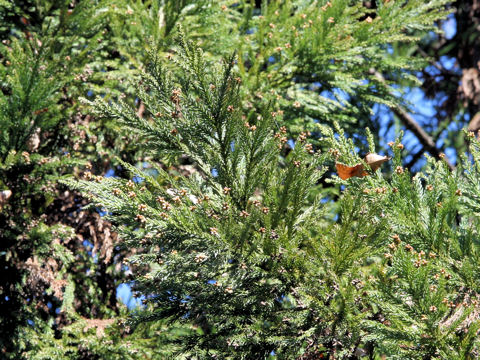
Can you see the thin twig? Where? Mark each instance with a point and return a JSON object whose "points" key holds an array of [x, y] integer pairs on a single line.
{"points": [[434, 63]]}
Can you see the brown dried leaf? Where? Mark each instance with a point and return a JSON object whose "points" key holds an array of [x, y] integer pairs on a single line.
{"points": [[346, 172], [375, 160]]}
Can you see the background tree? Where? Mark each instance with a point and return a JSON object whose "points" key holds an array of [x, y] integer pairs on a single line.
{"points": [[46, 57]]}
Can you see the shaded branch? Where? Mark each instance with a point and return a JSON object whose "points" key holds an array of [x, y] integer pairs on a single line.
{"points": [[415, 158], [423, 137]]}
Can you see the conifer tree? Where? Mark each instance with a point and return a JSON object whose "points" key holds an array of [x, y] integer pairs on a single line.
{"points": [[247, 254], [241, 240]]}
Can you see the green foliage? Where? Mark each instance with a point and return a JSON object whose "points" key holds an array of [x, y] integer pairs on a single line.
{"points": [[38, 84], [231, 225], [245, 251], [100, 339], [241, 240], [422, 292], [311, 60]]}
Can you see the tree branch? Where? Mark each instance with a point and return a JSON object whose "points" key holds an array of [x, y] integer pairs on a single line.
{"points": [[410, 123], [415, 158]]}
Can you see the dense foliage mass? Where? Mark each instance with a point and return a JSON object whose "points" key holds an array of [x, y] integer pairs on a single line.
{"points": [[191, 149]]}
